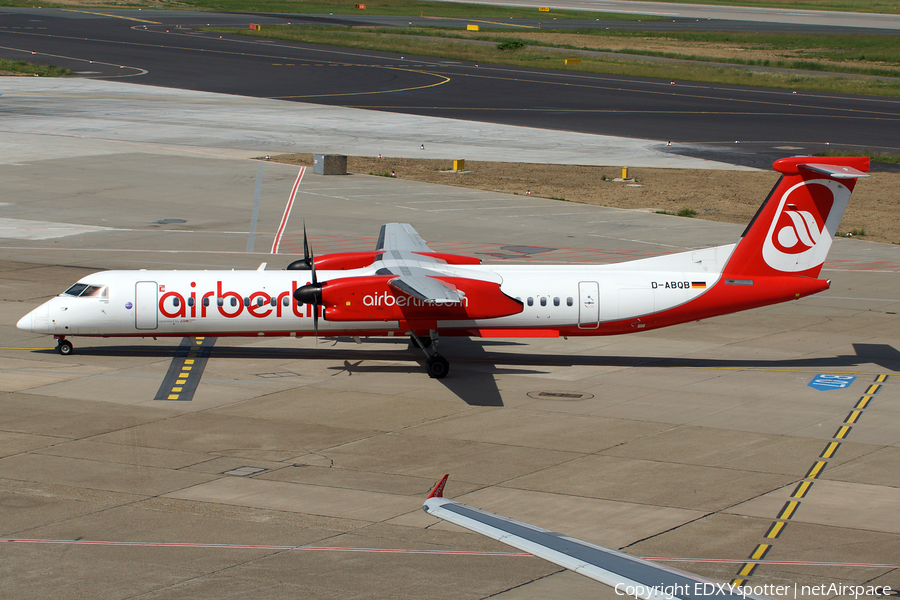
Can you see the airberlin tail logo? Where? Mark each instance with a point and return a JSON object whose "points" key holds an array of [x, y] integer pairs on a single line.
{"points": [[800, 234]]}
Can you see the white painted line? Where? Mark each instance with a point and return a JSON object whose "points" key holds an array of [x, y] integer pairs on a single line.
{"points": [[287, 211]]}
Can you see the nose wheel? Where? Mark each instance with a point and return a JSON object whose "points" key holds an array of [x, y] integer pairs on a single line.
{"points": [[436, 365], [65, 347]]}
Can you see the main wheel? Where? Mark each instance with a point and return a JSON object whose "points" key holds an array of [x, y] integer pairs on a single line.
{"points": [[65, 347], [437, 366]]}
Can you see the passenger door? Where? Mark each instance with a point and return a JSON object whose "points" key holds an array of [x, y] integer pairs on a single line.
{"points": [[145, 309], [588, 305]]}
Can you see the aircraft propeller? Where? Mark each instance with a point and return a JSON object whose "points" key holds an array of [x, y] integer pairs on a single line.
{"points": [[311, 293], [306, 263]]}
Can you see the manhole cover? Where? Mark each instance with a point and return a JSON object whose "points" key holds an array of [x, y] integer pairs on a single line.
{"points": [[560, 395]]}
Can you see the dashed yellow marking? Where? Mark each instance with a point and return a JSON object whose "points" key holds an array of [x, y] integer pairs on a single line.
{"points": [[760, 552], [173, 397], [802, 489], [185, 375], [842, 432], [853, 416], [882, 378], [176, 389], [830, 449], [186, 367], [89, 12], [873, 389], [788, 511], [747, 569], [189, 361], [180, 381], [738, 582], [815, 470], [863, 402], [775, 529]]}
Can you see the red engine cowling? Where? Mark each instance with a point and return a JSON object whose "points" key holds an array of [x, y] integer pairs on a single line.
{"points": [[373, 299], [344, 261]]}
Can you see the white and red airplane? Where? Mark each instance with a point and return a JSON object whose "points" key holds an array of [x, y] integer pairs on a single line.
{"points": [[405, 288]]}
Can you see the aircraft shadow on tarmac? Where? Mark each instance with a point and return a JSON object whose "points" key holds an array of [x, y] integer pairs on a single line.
{"points": [[473, 380]]}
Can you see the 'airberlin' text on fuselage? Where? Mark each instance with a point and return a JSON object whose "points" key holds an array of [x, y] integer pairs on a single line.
{"points": [[174, 305]]}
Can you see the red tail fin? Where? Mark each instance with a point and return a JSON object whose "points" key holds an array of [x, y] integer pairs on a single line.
{"points": [[793, 229]]}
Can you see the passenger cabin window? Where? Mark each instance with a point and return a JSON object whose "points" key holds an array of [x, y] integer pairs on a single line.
{"points": [[530, 301], [259, 301], [543, 301], [233, 301], [175, 301], [206, 302], [246, 301], [570, 301], [556, 301], [190, 301], [286, 301], [220, 301], [273, 301]]}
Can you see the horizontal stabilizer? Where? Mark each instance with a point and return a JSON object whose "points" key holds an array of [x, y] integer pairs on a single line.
{"points": [[834, 171]]}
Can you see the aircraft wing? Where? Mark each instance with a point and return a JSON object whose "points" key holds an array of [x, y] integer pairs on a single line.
{"points": [[420, 283], [629, 575], [402, 237]]}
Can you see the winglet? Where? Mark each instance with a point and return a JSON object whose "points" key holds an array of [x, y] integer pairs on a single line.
{"points": [[438, 491]]}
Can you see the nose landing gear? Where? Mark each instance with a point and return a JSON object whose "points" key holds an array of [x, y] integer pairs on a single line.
{"points": [[64, 346]]}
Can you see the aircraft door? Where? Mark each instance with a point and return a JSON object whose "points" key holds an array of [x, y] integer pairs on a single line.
{"points": [[145, 299], [588, 305]]}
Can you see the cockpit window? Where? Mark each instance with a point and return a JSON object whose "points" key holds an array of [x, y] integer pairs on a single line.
{"points": [[75, 290], [83, 290]]}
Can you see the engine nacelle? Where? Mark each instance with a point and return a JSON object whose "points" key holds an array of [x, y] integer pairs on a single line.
{"points": [[373, 299]]}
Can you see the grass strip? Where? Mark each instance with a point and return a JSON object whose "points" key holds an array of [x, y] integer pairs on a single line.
{"points": [[545, 58], [21, 67]]}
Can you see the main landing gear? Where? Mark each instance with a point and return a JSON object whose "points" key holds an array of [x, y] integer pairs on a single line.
{"points": [[64, 346], [436, 365]]}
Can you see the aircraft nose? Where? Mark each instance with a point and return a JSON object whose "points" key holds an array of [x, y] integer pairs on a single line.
{"points": [[26, 323]]}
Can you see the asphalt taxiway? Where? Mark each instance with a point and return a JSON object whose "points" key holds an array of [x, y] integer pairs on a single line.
{"points": [[740, 125], [298, 468]]}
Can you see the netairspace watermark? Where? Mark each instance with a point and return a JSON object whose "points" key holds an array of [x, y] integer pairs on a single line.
{"points": [[673, 591]]}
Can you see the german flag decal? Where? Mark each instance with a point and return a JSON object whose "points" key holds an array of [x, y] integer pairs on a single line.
{"points": [[701, 285]]}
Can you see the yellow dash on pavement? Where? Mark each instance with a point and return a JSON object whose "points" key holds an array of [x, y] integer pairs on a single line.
{"points": [[842, 432], [176, 389], [830, 449], [788, 511], [853, 416], [173, 397], [863, 402], [180, 381], [881, 378], [801, 490], [775, 529], [738, 582], [189, 361], [815, 470], [747, 569], [873, 389]]}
